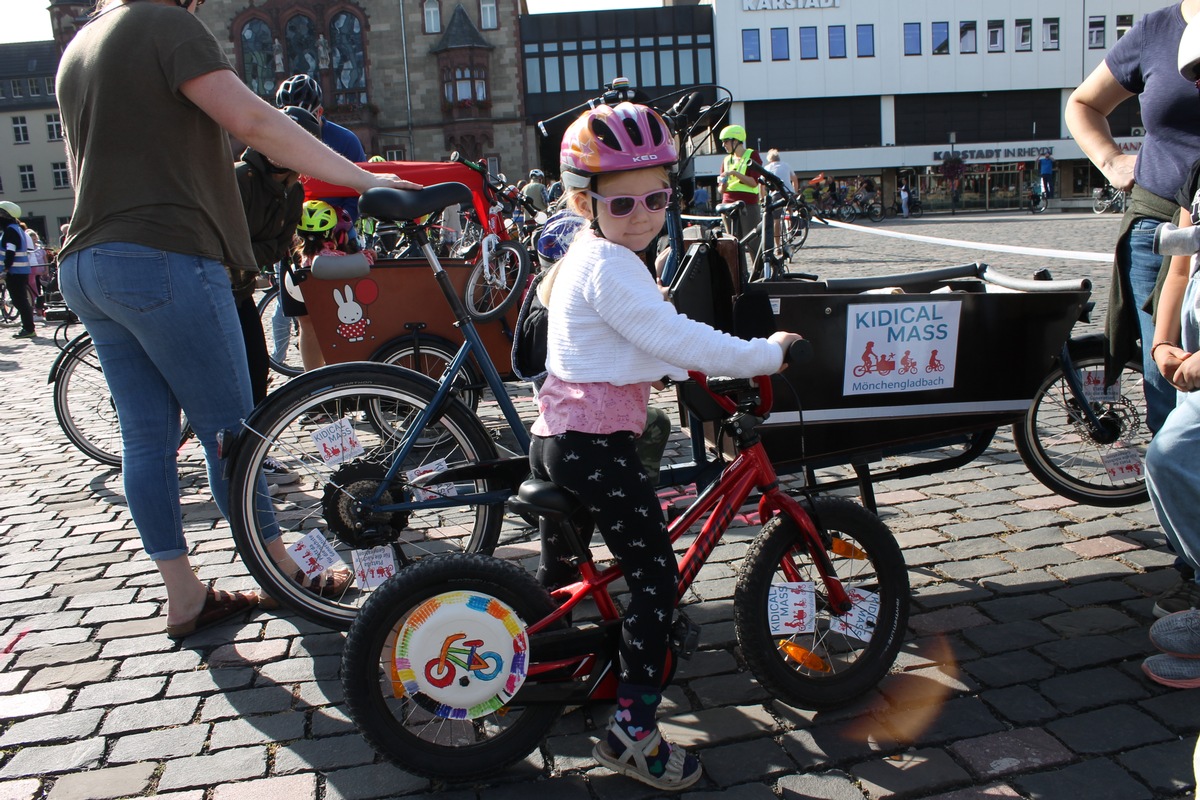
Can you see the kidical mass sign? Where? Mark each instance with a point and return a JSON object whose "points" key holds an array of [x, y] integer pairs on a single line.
{"points": [[901, 347]]}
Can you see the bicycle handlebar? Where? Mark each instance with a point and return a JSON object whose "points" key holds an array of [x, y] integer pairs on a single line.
{"points": [[494, 183], [719, 389]]}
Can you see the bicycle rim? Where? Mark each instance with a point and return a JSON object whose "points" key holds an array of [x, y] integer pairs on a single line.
{"points": [[282, 334], [378, 406], [1055, 443], [392, 708], [494, 288], [84, 405], [822, 660]]}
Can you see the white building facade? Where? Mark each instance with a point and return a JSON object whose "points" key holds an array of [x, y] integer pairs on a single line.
{"points": [[850, 87]]}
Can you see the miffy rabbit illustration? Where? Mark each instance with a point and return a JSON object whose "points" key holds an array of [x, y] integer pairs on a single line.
{"points": [[353, 327]]}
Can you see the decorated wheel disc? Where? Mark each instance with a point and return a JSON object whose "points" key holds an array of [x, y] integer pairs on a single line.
{"points": [[462, 655]]}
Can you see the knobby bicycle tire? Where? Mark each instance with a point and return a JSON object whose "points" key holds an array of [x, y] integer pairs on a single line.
{"points": [[400, 726], [379, 404], [826, 667], [1056, 445]]}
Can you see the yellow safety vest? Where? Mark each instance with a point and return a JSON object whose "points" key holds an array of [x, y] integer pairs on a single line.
{"points": [[740, 164]]}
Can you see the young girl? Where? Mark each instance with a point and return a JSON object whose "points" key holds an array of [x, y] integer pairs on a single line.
{"points": [[324, 229], [610, 336]]}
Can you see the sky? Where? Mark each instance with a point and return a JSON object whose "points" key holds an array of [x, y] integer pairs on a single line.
{"points": [[28, 21]]}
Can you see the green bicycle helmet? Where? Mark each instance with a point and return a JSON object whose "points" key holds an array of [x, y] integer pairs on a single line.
{"points": [[317, 217], [733, 132]]}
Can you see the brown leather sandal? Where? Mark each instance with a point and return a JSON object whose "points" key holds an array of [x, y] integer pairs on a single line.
{"points": [[219, 605]]}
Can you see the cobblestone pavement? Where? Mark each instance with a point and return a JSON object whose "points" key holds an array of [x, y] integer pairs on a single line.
{"points": [[1019, 678]]}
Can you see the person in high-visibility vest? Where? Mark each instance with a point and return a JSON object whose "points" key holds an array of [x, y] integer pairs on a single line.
{"points": [[735, 183]]}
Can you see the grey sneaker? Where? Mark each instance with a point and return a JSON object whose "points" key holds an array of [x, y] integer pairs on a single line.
{"points": [[276, 473], [1178, 634], [1178, 673], [1183, 597]]}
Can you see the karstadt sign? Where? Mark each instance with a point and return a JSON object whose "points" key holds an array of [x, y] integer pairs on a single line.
{"points": [[784, 5]]}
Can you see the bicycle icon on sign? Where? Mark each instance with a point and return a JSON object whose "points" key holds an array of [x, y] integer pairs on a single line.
{"points": [[442, 670], [881, 364]]}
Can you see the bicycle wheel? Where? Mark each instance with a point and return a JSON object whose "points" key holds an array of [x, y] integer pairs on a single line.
{"points": [[1038, 204], [283, 335], [408, 718], [1099, 205], [914, 208], [795, 229], [431, 355], [830, 659], [846, 212], [492, 290], [335, 493], [875, 212], [83, 404], [1055, 443], [7, 310]]}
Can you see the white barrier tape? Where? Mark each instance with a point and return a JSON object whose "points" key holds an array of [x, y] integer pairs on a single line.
{"points": [[1074, 255]]}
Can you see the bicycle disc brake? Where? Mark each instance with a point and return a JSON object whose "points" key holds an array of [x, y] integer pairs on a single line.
{"points": [[347, 506]]}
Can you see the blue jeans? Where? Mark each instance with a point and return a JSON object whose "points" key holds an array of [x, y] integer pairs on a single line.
{"points": [[166, 332], [1143, 273], [1173, 478]]}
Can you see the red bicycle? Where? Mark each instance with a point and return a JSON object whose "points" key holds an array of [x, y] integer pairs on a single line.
{"points": [[820, 610]]}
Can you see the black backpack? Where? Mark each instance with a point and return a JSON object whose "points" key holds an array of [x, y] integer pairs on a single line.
{"points": [[531, 335]]}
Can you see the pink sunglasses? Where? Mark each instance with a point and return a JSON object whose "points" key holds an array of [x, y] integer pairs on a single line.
{"points": [[623, 205]]}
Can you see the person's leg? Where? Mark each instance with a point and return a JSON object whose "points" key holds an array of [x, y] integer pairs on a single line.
{"points": [[256, 348], [18, 295], [1143, 273], [1173, 480], [310, 347]]}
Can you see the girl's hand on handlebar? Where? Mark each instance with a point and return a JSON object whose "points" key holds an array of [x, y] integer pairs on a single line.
{"points": [[785, 341]]}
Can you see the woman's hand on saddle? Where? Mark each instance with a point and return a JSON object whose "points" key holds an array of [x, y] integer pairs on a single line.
{"points": [[389, 181]]}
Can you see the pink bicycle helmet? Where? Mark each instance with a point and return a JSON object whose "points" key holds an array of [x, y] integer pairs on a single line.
{"points": [[616, 138]]}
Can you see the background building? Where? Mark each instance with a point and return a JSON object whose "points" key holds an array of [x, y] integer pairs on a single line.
{"points": [[850, 86]]}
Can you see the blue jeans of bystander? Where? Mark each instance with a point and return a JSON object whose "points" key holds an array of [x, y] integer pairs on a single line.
{"points": [[1143, 272], [166, 332]]}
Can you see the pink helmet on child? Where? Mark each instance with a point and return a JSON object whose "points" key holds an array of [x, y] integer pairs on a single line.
{"points": [[616, 138]]}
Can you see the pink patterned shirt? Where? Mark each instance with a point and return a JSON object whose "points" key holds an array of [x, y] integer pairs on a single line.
{"points": [[590, 407]]}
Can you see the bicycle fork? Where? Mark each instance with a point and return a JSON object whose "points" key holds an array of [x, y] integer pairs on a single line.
{"points": [[1099, 432]]}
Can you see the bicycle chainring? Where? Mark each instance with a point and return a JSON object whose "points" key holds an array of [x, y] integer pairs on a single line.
{"points": [[348, 501]]}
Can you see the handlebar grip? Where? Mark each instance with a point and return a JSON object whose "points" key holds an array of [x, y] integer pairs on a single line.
{"points": [[456, 157], [800, 353]]}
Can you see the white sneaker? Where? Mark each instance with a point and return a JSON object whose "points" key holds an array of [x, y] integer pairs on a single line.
{"points": [[276, 473]]}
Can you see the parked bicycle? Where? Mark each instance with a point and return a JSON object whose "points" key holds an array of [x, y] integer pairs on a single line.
{"points": [[820, 611], [1108, 198], [1036, 201]]}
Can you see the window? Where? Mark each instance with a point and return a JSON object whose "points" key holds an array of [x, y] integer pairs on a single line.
{"points": [[3, 94], [940, 43], [348, 61], [50, 87], [303, 54], [1050, 33], [394, 154], [750, 51], [487, 15], [966, 38], [35, 87], [837, 42], [17, 89], [1124, 23], [258, 58], [1023, 41], [866, 41], [995, 36], [433, 16], [61, 179], [493, 164], [1095, 33], [912, 38], [54, 127], [808, 43], [20, 130], [779, 44], [28, 184]]}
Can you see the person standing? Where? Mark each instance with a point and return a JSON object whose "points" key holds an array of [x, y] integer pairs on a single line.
{"points": [[535, 190], [1141, 63], [16, 266], [157, 222], [782, 170], [1046, 171], [736, 182], [904, 198]]}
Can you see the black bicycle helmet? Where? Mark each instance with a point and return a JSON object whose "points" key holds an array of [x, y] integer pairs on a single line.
{"points": [[299, 90], [304, 119]]}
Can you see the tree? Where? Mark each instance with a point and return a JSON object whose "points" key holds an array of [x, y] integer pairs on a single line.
{"points": [[952, 170]]}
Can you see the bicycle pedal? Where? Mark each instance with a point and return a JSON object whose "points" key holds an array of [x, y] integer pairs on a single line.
{"points": [[685, 636]]}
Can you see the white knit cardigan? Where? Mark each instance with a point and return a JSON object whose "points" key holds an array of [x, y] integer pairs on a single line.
{"points": [[608, 324]]}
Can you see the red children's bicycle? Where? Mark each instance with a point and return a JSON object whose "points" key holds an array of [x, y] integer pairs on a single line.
{"points": [[820, 609]]}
